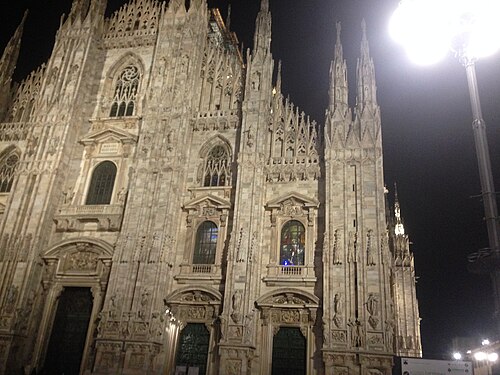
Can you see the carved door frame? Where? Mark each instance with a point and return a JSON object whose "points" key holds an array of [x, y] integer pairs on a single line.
{"points": [[84, 263], [287, 307], [192, 305]]}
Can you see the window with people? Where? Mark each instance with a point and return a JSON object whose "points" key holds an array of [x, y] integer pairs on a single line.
{"points": [[292, 244]]}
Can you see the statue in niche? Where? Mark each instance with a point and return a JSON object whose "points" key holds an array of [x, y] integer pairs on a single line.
{"points": [[337, 309], [68, 195], [337, 247], [113, 306], [236, 305], [122, 195], [372, 306], [389, 334], [144, 302], [352, 247], [370, 256], [357, 333], [255, 83]]}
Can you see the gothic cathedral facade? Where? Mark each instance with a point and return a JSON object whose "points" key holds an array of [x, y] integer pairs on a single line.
{"points": [[165, 210]]}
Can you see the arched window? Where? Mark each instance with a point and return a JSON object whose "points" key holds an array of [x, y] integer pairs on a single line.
{"points": [[217, 170], [206, 243], [7, 169], [102, 183], [125, 94], [292, 244]]}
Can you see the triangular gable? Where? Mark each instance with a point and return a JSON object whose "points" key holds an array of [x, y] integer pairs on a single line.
{"points": [[109, 132], [208, 200], [296, 198]]}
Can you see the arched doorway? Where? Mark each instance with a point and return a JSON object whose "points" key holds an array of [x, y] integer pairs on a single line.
{"points": [[75, 277], [69, 332], [288, 341], [192, 350]]}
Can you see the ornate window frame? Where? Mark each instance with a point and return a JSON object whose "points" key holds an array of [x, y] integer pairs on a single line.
{"points": [[208, 169], [107, 144], [205, 208], [8, 171], [109, 89], [91, 197], [292, 206]]}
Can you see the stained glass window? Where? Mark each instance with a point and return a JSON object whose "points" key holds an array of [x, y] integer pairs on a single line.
{"points": [[125, 94], [7, 170], [102, 183], [292, 244], [206, 243], [217, 167]]}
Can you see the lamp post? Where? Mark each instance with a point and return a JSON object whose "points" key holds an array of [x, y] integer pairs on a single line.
{"points": [[428, 29]]}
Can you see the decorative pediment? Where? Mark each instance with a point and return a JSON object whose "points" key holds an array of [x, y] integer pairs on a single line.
{"points": [[199, 296], [293, 199], [288, 298], [207, 201], [109, 135]]}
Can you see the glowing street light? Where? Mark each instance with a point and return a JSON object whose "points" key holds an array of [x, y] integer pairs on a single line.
{"points": [[457, 356], [428, 29]]}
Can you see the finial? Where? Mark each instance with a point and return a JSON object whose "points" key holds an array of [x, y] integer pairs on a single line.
{"points": [[264, 5], [396, 192], [339, 29], [278, 78], [228, 19], [363, 28]]}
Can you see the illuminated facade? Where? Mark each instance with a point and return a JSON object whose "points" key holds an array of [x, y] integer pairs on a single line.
{"points": [[163, 206]]}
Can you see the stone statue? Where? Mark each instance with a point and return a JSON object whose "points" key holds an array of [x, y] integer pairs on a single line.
{"points": [[236, 304], [337, 248]]}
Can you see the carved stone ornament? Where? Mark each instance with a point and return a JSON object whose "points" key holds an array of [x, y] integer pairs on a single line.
{"points": [[233, 367], [289, 299], [82, 261]]}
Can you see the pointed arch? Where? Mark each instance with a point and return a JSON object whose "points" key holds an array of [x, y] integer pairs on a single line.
{"points": [[9, 161], [123, 85], [217, 162]]}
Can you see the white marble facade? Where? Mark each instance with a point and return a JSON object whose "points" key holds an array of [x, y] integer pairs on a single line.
{"points": [[152, 163]]}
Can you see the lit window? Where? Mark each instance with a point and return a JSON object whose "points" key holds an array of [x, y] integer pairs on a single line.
{"points": [[292, 244], [206, 243], [101, 184]]}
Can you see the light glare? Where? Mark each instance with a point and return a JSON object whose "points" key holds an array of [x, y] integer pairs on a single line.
{"points": [[429, 28], [492, 357], [480, 356], [457, 356]]}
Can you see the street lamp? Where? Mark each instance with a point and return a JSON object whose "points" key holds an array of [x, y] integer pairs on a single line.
{"points": [[428, 29]]}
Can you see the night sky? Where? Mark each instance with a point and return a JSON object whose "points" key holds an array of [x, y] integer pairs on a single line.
{"points": [[427, 134]]}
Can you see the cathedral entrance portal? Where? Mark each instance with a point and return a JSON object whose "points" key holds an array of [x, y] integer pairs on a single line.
{"points": [[69, 332], [289, 352], [193, 348]]}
